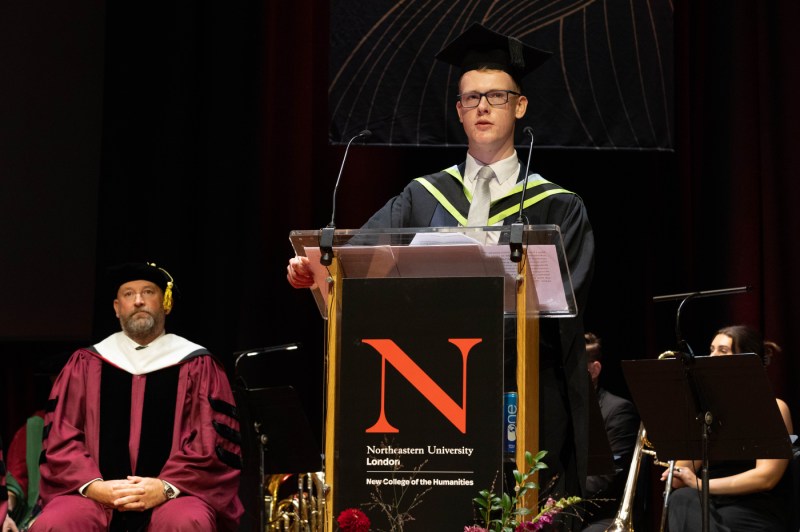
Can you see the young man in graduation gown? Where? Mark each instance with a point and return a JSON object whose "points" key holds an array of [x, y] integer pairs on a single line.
{"points": [[141, 430], [489, 103]]}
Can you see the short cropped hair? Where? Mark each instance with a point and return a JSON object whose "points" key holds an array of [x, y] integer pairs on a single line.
{"points": [[594, 352]]}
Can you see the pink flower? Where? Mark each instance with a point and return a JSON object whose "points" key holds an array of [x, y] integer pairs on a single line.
{"points": [[353, 520], [474, 528], [547, 518]]}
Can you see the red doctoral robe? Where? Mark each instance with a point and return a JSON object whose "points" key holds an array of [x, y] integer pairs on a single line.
{"points": [[198, 453]]}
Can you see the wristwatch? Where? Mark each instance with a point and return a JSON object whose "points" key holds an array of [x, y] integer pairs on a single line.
{"points": [[169, 491]]}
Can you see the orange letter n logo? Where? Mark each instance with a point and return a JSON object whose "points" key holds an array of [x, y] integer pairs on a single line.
{"points": [[457, 415]]}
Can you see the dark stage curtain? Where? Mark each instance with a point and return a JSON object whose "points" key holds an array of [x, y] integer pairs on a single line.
{"points": [[738, 124]]}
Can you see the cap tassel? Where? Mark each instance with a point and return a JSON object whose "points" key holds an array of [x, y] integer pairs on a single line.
{"points": [[516, 57], [166, 304]]}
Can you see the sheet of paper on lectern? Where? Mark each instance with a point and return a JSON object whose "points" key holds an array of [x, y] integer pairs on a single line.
{"points": [[545, 271]]}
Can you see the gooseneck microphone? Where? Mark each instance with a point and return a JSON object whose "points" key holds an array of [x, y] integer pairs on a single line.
{"points": [[326, 236], [515, 240]]}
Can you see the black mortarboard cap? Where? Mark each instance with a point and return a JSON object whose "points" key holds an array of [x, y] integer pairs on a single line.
{"points": [[480, 47], [142, 271]]}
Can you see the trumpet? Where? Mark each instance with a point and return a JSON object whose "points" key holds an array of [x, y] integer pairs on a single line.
{"points": [[623, 520]]}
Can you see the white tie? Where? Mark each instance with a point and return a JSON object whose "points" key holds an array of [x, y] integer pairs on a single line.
{"points": [[481, 198]]}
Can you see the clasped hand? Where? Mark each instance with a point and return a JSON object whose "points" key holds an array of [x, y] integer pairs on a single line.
{"points": [[133, 494]]}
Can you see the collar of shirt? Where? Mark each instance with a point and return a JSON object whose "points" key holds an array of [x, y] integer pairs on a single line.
{"points": [[505, 171]]}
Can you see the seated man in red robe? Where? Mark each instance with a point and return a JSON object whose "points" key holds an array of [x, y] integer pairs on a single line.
{"points": [[109, 459]]}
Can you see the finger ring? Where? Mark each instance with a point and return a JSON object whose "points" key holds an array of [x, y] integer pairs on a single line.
{"points": [[677, 469]]}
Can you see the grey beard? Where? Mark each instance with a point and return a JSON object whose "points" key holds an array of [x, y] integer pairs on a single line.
{"points": [[138, 327]]}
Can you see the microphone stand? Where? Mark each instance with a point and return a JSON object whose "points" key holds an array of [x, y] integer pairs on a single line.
{"points": [[704, 413], [515, 238], [326, 236]]}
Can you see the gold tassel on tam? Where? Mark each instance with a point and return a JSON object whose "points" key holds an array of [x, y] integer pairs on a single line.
{"points": [[167, 303]]}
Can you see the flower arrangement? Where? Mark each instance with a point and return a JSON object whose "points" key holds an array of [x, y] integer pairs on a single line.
{"points": [[506, 514]]}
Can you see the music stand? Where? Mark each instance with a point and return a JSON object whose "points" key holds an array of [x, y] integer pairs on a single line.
{"points": [[275, 428], [709, 408]]}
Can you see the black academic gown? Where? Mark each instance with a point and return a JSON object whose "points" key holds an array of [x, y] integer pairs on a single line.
{"points": [[438, 200]]}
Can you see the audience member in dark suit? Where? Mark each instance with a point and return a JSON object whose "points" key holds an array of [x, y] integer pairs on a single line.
{"points": [[622, 427]]}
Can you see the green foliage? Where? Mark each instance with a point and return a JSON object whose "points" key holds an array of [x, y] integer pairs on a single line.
{"points": [[502, 513]]}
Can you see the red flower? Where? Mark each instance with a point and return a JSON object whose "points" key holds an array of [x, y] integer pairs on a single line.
{"points": [[353, 520]]}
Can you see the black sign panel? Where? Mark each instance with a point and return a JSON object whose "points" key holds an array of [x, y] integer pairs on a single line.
{"points": [[419, 423]]}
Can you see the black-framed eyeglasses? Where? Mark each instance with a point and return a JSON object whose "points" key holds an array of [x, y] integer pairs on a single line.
{"points": [[494, 97]]}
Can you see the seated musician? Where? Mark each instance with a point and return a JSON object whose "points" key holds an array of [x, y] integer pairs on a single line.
{"points": [[621, 421], [744, 495]]}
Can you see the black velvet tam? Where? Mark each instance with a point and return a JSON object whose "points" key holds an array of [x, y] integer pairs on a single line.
{"points": [[136, 271]]}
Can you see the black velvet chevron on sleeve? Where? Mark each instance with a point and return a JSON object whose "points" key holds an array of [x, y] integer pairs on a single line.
{"points": [[227, 432], [223, 407], [50, 406], [230, 459]]}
